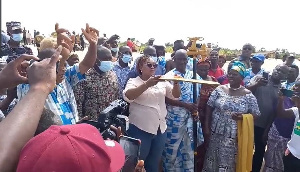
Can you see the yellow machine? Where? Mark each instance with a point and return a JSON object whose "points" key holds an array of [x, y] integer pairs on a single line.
{"points": [[194, 51]]}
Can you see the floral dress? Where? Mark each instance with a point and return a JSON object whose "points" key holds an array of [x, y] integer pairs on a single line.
{"points": [[222, 149]]}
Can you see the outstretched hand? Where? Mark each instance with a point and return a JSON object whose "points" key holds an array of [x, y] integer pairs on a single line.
{"points": [[15, 72], [91, 34], [42, 75]]}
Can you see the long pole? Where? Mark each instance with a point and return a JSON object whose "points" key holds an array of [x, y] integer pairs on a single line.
{"points": [[195, 101]]}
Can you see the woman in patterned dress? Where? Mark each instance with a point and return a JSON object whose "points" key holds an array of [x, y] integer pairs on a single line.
{"points": [[224, 108], [202, 70]]}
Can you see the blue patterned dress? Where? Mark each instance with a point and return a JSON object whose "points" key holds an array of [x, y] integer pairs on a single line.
{"points": [[179, 153], [222, 150]]}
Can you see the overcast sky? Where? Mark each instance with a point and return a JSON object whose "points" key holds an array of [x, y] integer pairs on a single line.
{"points": [[230, 23]]}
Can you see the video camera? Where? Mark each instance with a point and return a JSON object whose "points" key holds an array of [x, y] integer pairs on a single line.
{"points": [[116, 114]]}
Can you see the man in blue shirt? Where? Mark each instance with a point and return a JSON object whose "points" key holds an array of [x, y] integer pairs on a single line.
{"points": [[61, 100], [256, 62]]}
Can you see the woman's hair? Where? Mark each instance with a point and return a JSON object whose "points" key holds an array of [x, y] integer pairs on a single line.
{"points": [[140, 63]]}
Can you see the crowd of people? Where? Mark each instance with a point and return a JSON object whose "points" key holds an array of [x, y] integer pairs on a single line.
{"points": [[45, 98]]}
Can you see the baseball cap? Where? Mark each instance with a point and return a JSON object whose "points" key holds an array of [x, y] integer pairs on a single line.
{"points": [[76, 148], [259, 57]]}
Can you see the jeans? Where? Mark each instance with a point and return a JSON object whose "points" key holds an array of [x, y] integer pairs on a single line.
{"points": [[259, 149], [291, 163], [151, 146]]}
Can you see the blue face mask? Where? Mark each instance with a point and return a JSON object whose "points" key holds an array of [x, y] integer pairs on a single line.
{"points": [[105, 66], [126, 58], [17, 37], [154, 58], [115, 49]]}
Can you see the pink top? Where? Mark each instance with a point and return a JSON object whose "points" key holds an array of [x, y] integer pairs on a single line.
{"points": [[148, 111]]}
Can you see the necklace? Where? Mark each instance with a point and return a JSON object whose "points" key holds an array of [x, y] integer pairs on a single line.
{"points": [[234, 89]]}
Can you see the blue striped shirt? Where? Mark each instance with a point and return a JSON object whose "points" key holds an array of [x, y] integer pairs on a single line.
{"points": [[61, 100]]}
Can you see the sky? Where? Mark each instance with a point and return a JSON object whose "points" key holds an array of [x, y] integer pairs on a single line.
{"points": [[229, 23]]}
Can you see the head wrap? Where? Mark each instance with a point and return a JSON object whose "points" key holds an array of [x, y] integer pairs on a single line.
{"points": [[204, 61], [239, 67]]}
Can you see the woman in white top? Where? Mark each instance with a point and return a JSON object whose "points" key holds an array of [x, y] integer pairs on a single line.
{"points": [[291, 158], [146, 96]]}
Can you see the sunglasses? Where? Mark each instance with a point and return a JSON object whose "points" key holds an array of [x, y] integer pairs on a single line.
{"points": [[152, 65], [247, 49]]}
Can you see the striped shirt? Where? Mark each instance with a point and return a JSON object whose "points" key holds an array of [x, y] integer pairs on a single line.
{"points": [[61, 100]]}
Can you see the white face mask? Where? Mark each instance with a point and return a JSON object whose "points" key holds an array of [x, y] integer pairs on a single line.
{"points": [[154, 58], [105, 66], [17, 37], [126, 58]]}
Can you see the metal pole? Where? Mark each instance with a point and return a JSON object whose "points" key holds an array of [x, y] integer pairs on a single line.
{"points": [[195, 101]]}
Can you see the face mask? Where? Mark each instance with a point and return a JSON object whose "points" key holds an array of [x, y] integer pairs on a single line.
{"points": [[154, 58], [105, 66], [17, 37], [115, 49], [126, 58]]}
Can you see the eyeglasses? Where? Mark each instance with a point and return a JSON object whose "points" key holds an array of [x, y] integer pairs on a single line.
{"points": [[152, 65], [247, 49]]}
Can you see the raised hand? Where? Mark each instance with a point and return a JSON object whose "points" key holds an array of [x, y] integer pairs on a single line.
{"points": [[66, 40], [42, 75], [91, 34], [14, 73]]}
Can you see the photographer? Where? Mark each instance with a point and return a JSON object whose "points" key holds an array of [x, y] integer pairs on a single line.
{"points": [[146, 96]]}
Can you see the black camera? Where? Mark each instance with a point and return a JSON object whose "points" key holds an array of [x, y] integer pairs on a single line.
{"points": [[116, 114]]}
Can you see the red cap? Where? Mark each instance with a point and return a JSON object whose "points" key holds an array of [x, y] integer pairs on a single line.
{"points": [[73, 148]]}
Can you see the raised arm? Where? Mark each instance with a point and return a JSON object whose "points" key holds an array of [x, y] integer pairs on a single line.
{"points": [[91, 34], [20, 125]]}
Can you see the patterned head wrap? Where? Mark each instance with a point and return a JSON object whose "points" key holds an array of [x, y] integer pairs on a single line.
{"points": [[204, 61], [239, 67]]}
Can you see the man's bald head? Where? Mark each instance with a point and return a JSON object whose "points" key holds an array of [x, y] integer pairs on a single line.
{"points": [[150, 50], [180, 53], [103, 53]]}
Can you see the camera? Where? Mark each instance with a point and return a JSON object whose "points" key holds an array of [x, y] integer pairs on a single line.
{"points": [[116, 114]]}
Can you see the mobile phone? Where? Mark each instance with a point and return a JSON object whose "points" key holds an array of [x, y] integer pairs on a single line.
{"points": [[131, 147], [286, 92], [265, 75]]}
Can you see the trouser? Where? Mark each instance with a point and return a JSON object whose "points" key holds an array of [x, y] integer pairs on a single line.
{"points": [[291, 163], [25, 40], [151, 146], [259, 149]]}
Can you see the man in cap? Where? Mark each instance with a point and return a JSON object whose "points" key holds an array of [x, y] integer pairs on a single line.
{"points": [[290, 60], [151, 41], [256, 62], [13, 48]]}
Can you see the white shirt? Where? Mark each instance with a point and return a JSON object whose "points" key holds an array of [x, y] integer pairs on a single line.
{"points": [[294, 144], [148, 111]]}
